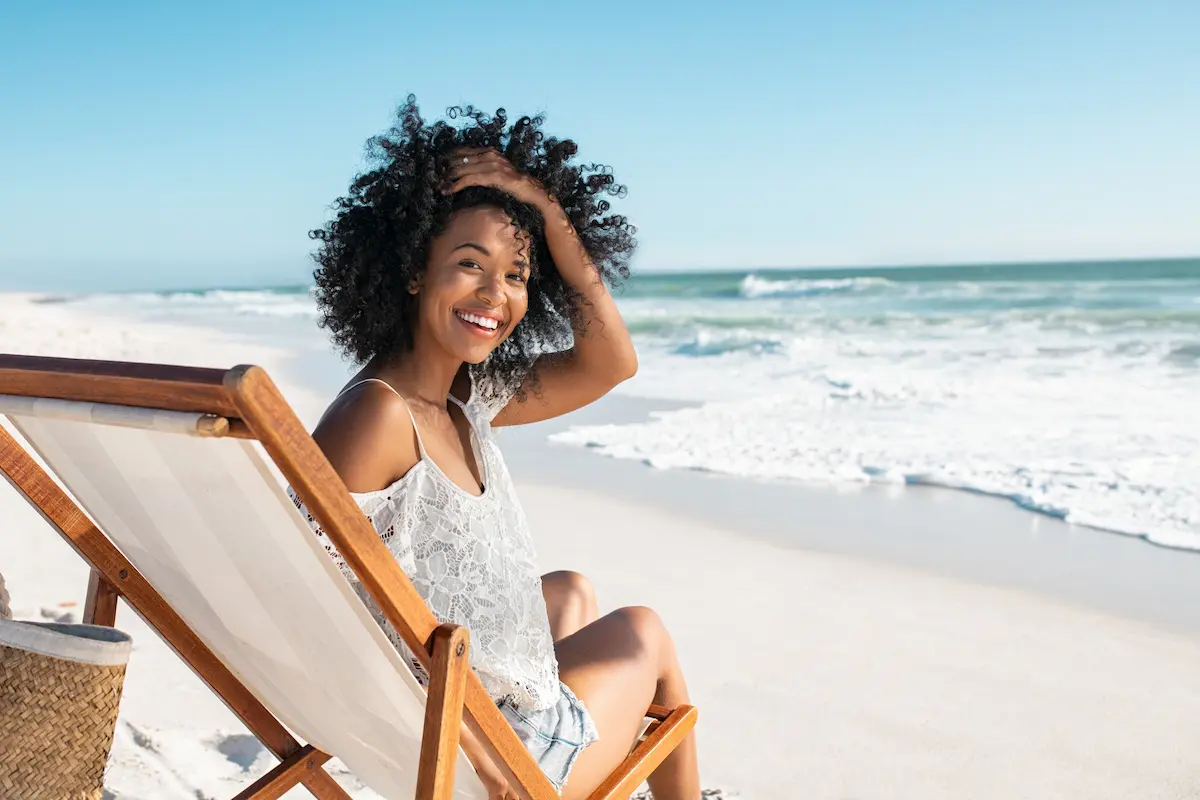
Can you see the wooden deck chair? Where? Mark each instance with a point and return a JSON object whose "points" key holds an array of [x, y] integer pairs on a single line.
{"points": [[165, 495]]}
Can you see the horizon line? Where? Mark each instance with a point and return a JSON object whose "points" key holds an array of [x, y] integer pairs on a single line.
{"points": [[663, 271]]}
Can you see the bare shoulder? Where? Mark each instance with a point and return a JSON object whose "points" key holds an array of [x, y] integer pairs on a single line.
{"points": [[368, 437]]}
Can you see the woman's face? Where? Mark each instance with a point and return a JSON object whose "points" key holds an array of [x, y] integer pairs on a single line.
{"points": [[473, 292]]}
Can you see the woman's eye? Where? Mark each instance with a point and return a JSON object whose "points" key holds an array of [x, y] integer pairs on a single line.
{"points": [[466, 262], [518, 277]]}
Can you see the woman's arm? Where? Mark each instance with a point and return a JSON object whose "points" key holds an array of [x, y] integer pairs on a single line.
{"points": [[490, 775], [603, 354]]}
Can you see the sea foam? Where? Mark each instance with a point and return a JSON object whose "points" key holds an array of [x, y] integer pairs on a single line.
{"points": [[1075, 399]]}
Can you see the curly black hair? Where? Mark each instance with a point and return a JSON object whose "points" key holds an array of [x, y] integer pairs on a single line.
{"points": [[380, 237]]}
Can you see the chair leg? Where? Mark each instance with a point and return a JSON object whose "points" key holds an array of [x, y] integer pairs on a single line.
{"points": [[660, 742], [443, 713], [286, 774], [100, 607]]}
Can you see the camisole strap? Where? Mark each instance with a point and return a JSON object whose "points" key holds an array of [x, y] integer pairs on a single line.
{"points": [[416, 430], [470, 418]]}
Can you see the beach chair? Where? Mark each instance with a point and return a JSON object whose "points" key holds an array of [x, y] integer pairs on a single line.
{"points": [[156, 476]]}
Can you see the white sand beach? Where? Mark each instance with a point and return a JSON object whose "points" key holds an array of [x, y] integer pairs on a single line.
{"points": [[849, 656]]}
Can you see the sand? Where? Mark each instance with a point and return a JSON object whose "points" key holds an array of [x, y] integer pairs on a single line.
{"points": [[818, 673]]}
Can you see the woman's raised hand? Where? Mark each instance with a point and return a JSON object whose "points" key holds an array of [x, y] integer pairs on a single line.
{"points": [[486, 166]]}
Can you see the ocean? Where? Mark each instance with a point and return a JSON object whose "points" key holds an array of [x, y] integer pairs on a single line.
{"points": [[1071, 389]]}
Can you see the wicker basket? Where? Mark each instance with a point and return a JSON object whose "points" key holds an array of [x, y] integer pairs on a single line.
{"points": [[60, 686]]}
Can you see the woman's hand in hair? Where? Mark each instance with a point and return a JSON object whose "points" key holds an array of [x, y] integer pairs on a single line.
{"points": [[485, 166]]}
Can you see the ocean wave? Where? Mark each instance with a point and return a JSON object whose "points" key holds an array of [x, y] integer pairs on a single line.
{"points": [[1147, 493], [1096, 430], [752, 286], [720, 342], [279, 309], [283, 302], [1185, 355], [658, 322], [246, 301]]}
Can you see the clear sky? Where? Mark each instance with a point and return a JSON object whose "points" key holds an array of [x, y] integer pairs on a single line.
{"points": [[159, 145]]}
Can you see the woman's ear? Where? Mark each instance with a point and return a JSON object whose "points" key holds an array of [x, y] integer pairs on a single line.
{"points": [[417, 282]]}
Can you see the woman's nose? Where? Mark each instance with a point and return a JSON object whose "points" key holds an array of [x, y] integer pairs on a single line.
{"points": [[492, 289]]}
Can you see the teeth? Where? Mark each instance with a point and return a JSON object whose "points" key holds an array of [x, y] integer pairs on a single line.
{"points": [[483, 322]]}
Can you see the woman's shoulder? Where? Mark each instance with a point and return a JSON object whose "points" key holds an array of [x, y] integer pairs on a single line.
{"points": [[367, 434]]}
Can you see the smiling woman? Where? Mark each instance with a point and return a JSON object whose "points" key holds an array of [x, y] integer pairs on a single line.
{"points": [[380, 240], [467, 274]]}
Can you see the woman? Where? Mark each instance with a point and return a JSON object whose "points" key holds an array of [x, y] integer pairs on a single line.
{"points": [[466, 272]]}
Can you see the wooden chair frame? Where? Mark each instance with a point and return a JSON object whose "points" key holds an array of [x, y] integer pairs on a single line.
{"points": [[243, 402]]}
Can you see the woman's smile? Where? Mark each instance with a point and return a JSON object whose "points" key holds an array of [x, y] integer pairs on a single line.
{"points": [[487, 324]]}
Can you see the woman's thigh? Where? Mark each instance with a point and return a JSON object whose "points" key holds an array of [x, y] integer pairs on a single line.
{"points": [[612, 665]]}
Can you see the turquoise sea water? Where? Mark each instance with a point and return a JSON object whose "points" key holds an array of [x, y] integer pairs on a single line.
{"points": [[1071, 388]]}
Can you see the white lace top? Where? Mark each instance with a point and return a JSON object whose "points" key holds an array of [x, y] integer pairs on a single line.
{"points": [[472, 559]]}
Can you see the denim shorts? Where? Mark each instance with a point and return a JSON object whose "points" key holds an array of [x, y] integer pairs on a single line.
{"points": [[555, 735]]}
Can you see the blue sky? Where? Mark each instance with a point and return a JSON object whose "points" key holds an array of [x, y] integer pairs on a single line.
{"points": [[160, 145]]}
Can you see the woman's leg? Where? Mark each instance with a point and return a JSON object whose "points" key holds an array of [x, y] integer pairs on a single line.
{"points": [[570, 602], [619, 665]]}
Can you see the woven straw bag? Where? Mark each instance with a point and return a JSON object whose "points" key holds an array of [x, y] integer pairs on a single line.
{"points": [[60, 685]]}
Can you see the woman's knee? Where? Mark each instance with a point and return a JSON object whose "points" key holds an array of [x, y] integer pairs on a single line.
{"points": [[647, 626], [572, 589], [641, 617], [654, 641]]}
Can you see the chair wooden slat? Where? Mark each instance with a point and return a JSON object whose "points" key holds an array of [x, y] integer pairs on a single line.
{"points": [[100, 607], [285, 775], [124, 384], [647, 755], [443, 713]]}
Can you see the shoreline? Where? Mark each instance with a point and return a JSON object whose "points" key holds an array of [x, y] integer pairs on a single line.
{"points": [[932, 529]]}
